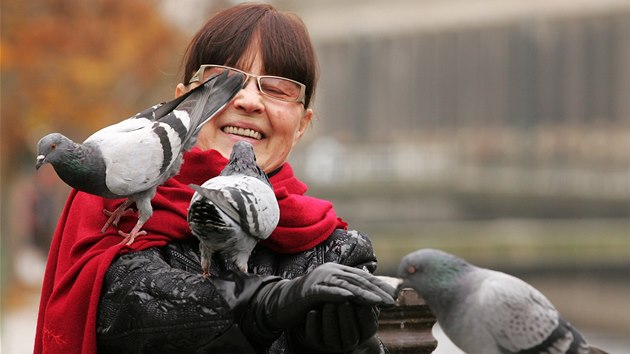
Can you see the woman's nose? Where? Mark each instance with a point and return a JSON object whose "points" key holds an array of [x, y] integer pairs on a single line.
{"points": [[249, 98]]}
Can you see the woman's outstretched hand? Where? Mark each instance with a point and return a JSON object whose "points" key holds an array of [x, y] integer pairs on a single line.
{"points": [[285, 304]]}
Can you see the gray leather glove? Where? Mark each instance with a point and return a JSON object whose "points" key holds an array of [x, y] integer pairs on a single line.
{"points": [[284, 304]]}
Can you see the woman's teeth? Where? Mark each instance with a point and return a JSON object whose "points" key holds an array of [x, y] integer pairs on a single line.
{"points": [[243, 132]]}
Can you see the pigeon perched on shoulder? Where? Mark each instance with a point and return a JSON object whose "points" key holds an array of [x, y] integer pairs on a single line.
{"points": [[230, 213], [132, 158], [485, 311]]}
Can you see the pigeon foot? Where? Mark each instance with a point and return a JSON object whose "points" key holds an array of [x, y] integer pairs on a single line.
{"points": [[114, 216], [130, 237], [205, 269]]}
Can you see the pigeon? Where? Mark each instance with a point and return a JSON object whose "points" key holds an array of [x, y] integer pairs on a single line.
{"points": [[231, 212], [484, 311], [130, 159]]}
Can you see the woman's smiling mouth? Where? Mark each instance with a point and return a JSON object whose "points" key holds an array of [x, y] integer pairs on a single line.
{"points": [[249, 133]]}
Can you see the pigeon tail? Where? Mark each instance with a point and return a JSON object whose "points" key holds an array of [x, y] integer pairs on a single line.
{"points": [[207, 100]]}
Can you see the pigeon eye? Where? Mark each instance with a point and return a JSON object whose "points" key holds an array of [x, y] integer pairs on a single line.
{"points": [[53, 146], [411, 269]]}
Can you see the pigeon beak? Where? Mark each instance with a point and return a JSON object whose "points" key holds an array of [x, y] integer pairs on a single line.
{"points": [[399, 288], [41, 159], [396, 283]]}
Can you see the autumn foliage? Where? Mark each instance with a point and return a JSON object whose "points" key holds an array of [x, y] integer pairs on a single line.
{"points": [[76, 66]]}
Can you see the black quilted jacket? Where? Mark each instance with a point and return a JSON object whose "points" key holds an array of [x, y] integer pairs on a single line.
{"points": [[156, 301]]}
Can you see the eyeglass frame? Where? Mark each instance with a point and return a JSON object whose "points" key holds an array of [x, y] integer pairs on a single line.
{"points": [[301, 96]]}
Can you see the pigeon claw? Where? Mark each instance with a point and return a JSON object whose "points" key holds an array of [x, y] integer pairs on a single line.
{"points": [[130, 237], [114, 216]]}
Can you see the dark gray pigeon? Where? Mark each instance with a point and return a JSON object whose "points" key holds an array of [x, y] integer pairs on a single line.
{"points": [[484, 311], [132, 158], [230, 213]]}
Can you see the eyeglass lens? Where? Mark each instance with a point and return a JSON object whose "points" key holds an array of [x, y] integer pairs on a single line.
{"points": [[277, 87]]}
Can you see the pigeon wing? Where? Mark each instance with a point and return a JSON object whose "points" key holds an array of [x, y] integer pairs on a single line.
{"points": [[119, 145], [125, 173], [127, 125], [248, 201], [220, 201], [160, 110], [261, 212], [517, 315]]}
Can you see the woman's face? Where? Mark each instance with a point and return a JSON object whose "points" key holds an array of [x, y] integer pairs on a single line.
{"points": [[272, 126]]}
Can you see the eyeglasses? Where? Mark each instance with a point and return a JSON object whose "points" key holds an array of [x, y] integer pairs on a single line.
{"points": [[276, 87]]}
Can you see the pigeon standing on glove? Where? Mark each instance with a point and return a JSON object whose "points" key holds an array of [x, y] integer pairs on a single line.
{"points": [[488, 312], [132, 158], [230, 213]]}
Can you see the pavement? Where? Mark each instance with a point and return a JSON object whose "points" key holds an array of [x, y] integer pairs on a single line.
{"points": [[19, 323]]}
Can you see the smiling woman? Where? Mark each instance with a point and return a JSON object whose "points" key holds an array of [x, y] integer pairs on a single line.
{"points": [[309, 286]]}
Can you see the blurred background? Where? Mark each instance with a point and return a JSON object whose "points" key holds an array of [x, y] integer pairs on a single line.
{"points": [[498, 130]]}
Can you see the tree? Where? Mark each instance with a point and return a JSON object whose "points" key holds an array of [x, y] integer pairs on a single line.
{"points": [[75, 66]]}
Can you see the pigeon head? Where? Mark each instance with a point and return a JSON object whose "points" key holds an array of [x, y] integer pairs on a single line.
{"points": [[52, 148], [243, 152], [432, 273], [243, 161]]}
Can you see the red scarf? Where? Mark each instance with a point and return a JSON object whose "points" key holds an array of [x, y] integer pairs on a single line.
{"points": [[80, 255]]}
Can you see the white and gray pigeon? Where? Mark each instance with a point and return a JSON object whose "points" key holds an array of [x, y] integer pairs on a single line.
{"points": [[484, 311], [130, 159], [231, 212]]}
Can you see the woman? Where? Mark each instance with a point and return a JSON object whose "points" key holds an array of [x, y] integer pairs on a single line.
{"points": [[151, 297]]}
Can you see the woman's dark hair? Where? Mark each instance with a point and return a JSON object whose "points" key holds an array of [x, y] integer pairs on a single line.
{"points": [[285, 44]]}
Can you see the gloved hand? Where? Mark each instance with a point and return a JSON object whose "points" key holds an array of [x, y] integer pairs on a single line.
{"points": [[284, 304], [337, 328]]}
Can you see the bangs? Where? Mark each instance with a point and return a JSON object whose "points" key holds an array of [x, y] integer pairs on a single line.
{"points": [[286, 49]]}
